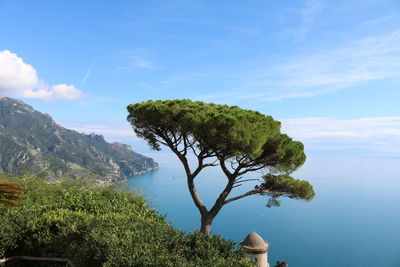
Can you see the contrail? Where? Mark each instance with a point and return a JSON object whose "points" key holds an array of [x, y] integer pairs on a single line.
{"points": [[87, 74]]}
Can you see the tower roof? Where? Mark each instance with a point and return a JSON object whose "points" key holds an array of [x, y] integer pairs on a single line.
{"points": [[254, 243]]}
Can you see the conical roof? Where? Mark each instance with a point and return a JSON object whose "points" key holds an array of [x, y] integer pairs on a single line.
{"points": [[254, 243]]}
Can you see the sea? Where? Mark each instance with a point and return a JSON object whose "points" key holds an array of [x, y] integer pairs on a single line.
{"points": [[353, 221]]}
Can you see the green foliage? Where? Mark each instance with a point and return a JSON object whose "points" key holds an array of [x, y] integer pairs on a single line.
{"points": [[95, 226], [285, 185], [224, 131], [219, 127]]}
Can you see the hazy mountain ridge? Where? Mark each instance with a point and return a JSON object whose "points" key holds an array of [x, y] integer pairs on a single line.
{"points": [[32, 142]]}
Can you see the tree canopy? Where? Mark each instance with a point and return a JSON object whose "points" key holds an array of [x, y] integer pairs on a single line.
{"points": [[238, 140]]}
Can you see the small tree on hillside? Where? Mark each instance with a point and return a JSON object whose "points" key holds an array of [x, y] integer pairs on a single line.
{"points": [[238, 140], [9, 193]]}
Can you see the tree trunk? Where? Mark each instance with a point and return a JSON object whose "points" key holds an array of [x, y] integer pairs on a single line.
{"points": [[207, 217], [206, 222]]}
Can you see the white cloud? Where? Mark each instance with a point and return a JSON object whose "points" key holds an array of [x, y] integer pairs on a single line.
{"points": [[65, 91], [20, 79], [373, 134], [15, 75], [59, 91]]}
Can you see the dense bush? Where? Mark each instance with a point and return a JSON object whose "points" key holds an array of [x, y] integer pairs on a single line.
{"points": [[95, 226]]}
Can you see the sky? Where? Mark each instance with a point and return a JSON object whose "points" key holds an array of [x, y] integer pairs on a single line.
{"points": [[328, 70]]}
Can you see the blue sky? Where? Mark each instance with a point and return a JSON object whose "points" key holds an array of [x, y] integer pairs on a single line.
{"points": [[329, 70]]}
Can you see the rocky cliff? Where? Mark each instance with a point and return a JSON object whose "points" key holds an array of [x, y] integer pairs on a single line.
{"points": [[31, 142]]}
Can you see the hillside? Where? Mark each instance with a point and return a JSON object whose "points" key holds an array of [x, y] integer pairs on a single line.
{"points": [[31, 142]]}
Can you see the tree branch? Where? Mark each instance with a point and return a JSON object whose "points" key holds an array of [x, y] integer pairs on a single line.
{"points": [[249, 193], [196, 198], [190, 177], [200, 165], [224, 168], [246, 180], [221, 199], [161, 142], [250, 169]]}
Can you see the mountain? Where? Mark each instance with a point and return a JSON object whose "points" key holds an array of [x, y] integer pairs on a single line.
{"points": [[31, 142]]}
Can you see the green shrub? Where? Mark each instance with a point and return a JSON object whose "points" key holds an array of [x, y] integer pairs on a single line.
{"points": [[95, 226]]}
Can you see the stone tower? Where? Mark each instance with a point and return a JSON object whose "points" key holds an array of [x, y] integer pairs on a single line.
{"points": [[256, 248]]}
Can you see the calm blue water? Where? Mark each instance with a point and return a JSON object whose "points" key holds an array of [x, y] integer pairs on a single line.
{"points": [[354, 220]]}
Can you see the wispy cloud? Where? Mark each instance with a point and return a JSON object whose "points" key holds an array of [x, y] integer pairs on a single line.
{"points": [[213, 24], [380, 20], [137, 59], [307, 16], [374, 134], [143, 64], [110, 130], [87, 73], [120, 132], [358, 62]]}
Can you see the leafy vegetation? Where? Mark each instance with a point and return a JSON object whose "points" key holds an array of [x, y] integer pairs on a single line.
{"points": [[238, 140], [95, 226]]}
